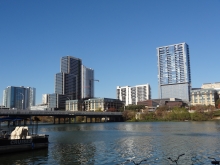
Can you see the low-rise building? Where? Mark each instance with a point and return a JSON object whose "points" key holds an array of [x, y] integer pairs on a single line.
{"points": [[154, 103], [40, 107], [200, 96], [94, 104], [215, 86]]}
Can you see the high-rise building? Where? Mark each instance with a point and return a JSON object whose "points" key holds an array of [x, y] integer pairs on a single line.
{"points": [[174, 75], [68, 81], [132, 95], [87, 82], [72, 83], [19, 97]]}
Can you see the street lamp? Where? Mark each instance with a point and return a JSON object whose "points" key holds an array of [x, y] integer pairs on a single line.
{"points": [[22, 102], [69, 103]]}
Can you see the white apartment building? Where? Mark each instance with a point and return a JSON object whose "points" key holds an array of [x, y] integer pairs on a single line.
{"points": [[132, 95], [45, 98]]}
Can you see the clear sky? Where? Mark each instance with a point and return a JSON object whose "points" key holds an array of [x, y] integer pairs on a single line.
{"points": [[116, 38]]}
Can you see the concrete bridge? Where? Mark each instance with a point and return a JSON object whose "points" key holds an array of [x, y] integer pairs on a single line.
{"points": [[67, 116]]}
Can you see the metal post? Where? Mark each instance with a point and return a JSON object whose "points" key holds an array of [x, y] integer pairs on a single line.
{"points": [[22, 102]]}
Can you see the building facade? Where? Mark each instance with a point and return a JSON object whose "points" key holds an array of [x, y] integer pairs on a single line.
{"points": [[68, 81], [45, 98], [72, 83], [87, 82], [19, 97], [215, 86], [204, 96], [132, 95], [95, 104], [153, 104], [174, 76]]}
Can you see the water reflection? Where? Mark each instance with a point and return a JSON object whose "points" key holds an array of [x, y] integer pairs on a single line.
{"points": [[73, 153], [122, 143], [25, 158]]}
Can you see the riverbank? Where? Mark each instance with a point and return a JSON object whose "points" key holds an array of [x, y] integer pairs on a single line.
{"points": [[178, 114]]}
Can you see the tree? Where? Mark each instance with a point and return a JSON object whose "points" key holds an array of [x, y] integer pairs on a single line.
{"points": [[128, 115], [217, 103]]}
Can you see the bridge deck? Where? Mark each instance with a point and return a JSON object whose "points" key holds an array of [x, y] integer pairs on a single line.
{"points": [[5, 112]]}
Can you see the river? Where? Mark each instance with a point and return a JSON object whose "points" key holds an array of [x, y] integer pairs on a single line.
{"points": [[124, 143]]}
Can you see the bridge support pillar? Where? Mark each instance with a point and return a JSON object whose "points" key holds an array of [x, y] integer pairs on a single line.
{"points": [[74, 119], [59, 120], [105, 119], [86, 119], [54, 120], [69, 120], [90, 119], [64, 120]]}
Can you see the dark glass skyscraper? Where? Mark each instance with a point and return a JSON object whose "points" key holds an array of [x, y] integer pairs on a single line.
{"points": [[67, 82], [174, 75]]}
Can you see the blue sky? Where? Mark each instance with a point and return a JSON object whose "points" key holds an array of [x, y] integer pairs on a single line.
{"points": [[117, 38]]}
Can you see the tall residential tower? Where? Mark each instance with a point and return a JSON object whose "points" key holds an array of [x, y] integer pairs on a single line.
{"points": [[19, 97], [174, 75]]}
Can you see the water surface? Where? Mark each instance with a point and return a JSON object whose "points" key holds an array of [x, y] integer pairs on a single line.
{"points": [[117, 143]]}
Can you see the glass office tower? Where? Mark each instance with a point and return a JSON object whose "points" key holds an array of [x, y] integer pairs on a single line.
{"points": [[19, 97], [87, 82], [68, 81], [174, 75]]}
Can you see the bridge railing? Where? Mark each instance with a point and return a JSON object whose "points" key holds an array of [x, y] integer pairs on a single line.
{"points": [[57, 112]]}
